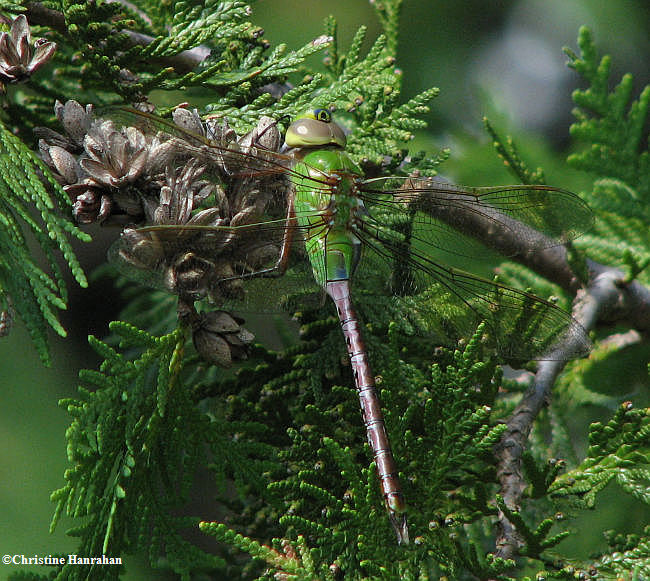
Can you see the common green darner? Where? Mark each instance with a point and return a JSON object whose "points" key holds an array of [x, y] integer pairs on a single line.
{"points": [[314, 201]]}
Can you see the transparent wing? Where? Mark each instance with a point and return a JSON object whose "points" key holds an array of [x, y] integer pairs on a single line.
{"points": [[253, 156], [411, 220], [521, 325], [237, 266], [510, 219]]}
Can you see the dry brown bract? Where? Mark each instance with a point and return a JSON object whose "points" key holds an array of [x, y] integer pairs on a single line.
{"points": [[19, 59]]}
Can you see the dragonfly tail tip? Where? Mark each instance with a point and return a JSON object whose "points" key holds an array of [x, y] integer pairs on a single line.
{"points": [[398, 521]]}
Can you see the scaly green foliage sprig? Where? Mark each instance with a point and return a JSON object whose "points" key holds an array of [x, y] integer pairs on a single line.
{"points": [[541, 476], [630, 554], [449, 437], [213, 23], [381, 125], [610, 122], [616, 452], [288, 562], [25, 197], [388, 12], [536, 540], [135, 444], [613, 128], [507, 151], [92, 31]]}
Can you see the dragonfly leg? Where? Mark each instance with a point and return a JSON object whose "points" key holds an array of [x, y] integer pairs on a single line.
{"points": [[291, 222], [371, 410], [281, 264]]}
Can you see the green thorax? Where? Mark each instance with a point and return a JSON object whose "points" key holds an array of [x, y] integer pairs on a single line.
{"points": [[327, 208]]}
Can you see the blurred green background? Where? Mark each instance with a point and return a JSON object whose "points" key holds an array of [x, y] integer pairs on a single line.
{"points": [[503, 59]]}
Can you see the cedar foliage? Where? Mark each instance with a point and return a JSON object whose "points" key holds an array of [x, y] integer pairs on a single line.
{"points": [[282, 437]]}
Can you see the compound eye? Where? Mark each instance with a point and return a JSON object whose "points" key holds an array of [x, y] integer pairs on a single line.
{"points": [[314, 128], [322, 115]]}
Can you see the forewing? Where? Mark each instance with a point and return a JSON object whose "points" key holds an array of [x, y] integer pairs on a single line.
{"points": [[509, 219], [251, 162], [218, 149]]}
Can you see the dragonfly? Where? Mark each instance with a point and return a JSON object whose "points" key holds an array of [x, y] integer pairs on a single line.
{"points": [[310, 208]]}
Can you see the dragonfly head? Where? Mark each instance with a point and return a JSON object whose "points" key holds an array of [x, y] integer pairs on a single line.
{"points": [[315, 129]]}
